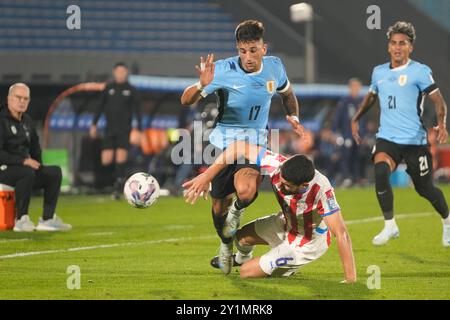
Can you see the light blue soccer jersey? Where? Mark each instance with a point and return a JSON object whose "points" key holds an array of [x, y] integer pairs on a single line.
{"points": [[402, 92], [244, 99]]}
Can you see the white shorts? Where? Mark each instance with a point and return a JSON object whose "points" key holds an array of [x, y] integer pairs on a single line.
{"points": [[285, 259]]}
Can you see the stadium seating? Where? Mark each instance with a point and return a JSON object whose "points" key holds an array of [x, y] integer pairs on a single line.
{"points": [[115, 26]]}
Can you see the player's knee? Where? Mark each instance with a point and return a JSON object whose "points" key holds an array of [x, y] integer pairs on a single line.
{"points": [[382, 172], [251, 270], [245, 271], [246, 192], [424, 189]]}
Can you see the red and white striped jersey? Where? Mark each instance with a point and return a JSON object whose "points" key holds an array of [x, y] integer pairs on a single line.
{"points": [[303, 212]]}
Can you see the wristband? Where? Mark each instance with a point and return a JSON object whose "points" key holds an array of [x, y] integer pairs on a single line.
{"points": [[199, 86], [295, 118]]}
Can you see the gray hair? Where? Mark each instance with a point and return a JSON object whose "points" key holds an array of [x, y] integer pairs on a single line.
{"points": [[402, 27], [16, 85]]}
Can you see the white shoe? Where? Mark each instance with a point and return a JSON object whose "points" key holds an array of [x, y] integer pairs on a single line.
{"points": [[231, 225], [24, 224], [226, 257], [54, 224], [385, 235], [446, 235]]}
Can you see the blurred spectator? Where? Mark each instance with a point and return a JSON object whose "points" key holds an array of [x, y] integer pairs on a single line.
{"points": [[326, 154], [349, 165]]}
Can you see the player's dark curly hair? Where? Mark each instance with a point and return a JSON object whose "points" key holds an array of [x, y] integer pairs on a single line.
{"points": [[298, 170], [402, 27], [249, 30]]}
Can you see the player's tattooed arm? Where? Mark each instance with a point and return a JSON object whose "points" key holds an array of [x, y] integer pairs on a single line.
{"points": [[290, 102], [441, 112], [291, 106], [367, 103]]}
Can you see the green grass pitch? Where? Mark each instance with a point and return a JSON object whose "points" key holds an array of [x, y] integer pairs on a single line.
{"points": [[163, 253]]}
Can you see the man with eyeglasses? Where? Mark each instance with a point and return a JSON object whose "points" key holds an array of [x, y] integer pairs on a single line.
{"points": [[21, 164]]}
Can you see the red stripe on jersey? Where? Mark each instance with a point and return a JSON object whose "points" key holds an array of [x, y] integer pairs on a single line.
{"points": [[269, 168], [320, 209], [293, 214], [307, 214], [308, 226], [280, 196], [275, 179]]}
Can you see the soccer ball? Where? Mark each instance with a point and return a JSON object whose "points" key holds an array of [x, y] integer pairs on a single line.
{"points": [[141, 190]]}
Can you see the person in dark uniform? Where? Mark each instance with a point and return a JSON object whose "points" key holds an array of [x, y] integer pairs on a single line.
{"points": [[345, 110], [118, 102], [21, 164]]}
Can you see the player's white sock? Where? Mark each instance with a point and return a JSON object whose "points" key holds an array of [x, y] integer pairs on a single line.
{"points": [[244, 253], [235, 211], [390, 224], [446, 220]]}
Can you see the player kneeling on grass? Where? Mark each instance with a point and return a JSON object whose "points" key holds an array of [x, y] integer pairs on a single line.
{"points": [[297, 235]]}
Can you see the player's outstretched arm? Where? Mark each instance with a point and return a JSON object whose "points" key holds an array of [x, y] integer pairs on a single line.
{"points": [[367, 103], [200, 184], [441, 112], [192, 94], [291, 106], [337, 227]]}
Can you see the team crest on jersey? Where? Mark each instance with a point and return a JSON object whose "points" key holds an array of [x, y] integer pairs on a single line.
{"points": [[402, 79], [270, 85], [331, 200], [13, 130]]}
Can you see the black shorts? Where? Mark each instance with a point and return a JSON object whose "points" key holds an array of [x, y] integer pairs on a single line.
{"points": [[223, 184], [418, 158], [116, 141]]}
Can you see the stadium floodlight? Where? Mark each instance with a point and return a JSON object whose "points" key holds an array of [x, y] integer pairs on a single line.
{"points": [[303, 12]]}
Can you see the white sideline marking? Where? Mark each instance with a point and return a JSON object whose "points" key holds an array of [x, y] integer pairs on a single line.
{"points": [[113, 245], [179, 227], [99, 233], [397, 216], [13, 240], [102, 246]]}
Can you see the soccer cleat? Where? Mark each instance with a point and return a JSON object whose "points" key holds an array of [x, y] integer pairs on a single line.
{"points": [[231, 225], [24, 224], [446, 235], [225, 260], [385, 235], [215, 262], [54, 224]]}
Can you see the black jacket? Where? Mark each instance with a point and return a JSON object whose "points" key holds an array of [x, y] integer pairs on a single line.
{"points": [[18, 139], [118, 102]]}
